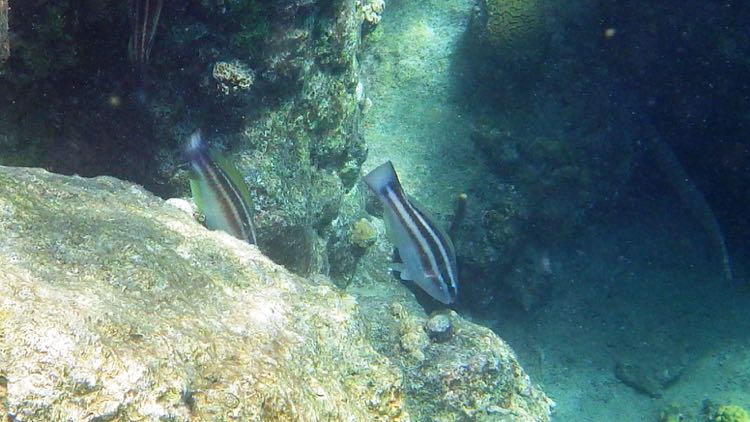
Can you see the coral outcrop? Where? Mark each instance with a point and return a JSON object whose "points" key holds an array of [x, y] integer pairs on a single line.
{"points": [[117, 305]]}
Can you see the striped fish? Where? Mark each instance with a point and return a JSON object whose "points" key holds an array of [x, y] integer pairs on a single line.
{"points": [[425, 249], [219, 191]]}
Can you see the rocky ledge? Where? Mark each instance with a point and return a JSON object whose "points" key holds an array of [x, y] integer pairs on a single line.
{"points": [[115, 305]]}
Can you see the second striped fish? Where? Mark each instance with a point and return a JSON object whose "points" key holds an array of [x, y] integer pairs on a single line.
{"points": [[219, 191]]}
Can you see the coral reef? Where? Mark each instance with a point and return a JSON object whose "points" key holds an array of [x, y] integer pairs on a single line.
{"points": [[350, 235], [672, 413], [490, 244], [126, 308], [303, 153], [149, 315], [551, 133], [432, 349]]}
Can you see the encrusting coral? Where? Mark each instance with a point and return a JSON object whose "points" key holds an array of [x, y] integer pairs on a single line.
{"points": [[233, 77]]}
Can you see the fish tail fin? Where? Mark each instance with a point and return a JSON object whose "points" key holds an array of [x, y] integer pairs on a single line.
{"points": [[384, 175]]}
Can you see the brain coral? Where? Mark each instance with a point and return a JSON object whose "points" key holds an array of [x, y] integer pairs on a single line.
{"points": [[510, 23]]}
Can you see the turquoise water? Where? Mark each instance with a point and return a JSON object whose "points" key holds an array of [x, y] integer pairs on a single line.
{"points": [[617, 271]]}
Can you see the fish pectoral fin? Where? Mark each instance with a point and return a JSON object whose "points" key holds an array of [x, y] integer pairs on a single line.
{"points": [[402, 270], [406, 276]]}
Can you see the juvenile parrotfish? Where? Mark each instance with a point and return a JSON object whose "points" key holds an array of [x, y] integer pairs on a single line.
{"points": [[219, 191], [425, 249]]}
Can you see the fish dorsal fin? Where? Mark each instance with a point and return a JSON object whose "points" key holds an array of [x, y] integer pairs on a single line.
{"points": [[234, 176]]}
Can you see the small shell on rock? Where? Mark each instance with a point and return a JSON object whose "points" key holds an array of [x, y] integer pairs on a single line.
{"points": [[439, 327]]}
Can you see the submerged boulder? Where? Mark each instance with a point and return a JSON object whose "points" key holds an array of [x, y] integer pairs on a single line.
{"points": [[116, 305], [467, 373]]}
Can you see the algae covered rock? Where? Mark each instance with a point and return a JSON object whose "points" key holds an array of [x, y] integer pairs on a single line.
{"points": [[471, 375], [115, 305], [297, 141]]}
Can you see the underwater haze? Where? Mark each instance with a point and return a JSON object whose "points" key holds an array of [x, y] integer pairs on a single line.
{"points": [[574, 176]]}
